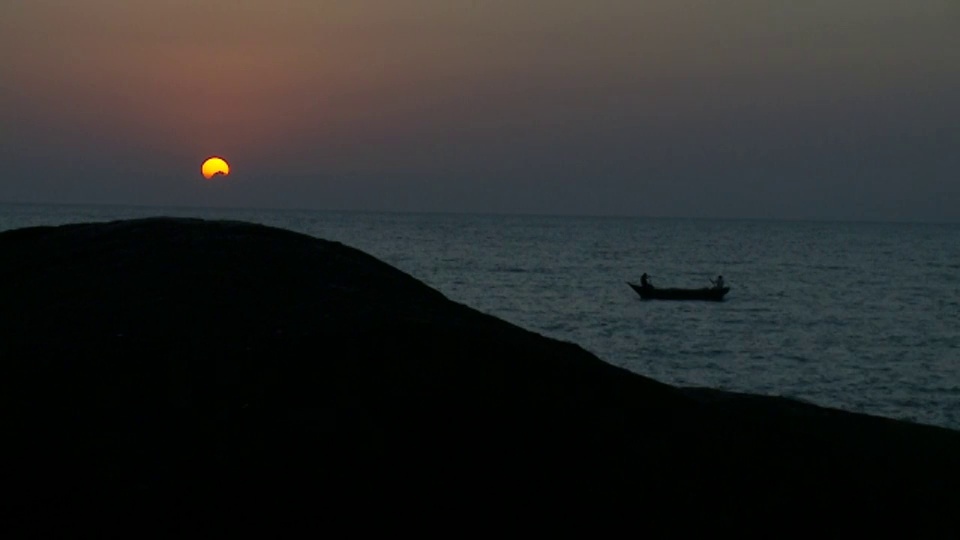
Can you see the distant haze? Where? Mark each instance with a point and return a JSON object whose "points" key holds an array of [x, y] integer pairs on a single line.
{"points": [[814, 109]]}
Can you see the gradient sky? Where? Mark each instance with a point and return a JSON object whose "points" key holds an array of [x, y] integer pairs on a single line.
{"points": [[813, 109]]}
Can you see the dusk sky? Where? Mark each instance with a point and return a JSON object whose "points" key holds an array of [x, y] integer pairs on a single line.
{"points": [[813, 109]]}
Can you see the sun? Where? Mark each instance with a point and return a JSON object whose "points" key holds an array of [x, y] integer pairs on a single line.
{"points": [[213, 166]]}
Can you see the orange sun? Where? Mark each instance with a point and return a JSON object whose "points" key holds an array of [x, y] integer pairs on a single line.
{"points": [[214, 166]]}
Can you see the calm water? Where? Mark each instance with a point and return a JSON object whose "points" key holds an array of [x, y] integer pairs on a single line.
{"points": [[860, 316]]}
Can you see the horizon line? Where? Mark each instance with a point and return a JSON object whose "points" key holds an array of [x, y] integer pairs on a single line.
{"points": [[584, 215]]}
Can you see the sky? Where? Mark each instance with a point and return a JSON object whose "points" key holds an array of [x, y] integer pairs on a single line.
{"points": [[820, 109]]}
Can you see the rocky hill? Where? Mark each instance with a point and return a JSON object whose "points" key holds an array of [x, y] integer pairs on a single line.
{"points": [[180, 376]]}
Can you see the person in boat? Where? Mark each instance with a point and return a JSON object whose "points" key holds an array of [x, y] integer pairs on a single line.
{"points": [[645, 281], [718, 284]]}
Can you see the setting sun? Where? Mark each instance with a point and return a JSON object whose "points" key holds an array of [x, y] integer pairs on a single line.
{"points": [[214, 166]]}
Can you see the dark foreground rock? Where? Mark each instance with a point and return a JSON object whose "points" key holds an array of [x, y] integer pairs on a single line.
{"points": [[182, 376]]}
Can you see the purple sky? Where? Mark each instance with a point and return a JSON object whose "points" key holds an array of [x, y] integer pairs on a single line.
{"points": [[744, 108]]}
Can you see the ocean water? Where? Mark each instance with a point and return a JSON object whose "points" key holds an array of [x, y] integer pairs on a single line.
{"points": [[860, 316]]}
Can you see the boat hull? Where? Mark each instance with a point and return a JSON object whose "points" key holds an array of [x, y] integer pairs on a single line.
{"points": [[654, 293]]}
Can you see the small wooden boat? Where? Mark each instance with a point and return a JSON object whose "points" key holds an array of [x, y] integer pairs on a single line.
{"points": [[706, 293]]}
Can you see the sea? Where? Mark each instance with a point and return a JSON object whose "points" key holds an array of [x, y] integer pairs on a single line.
{"points": [[863, 317]]}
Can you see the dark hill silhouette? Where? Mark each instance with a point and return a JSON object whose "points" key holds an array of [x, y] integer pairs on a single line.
{"points": [[187, 376]]}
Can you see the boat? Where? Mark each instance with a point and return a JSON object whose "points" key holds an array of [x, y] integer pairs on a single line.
{"points": [[650, 292]]}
